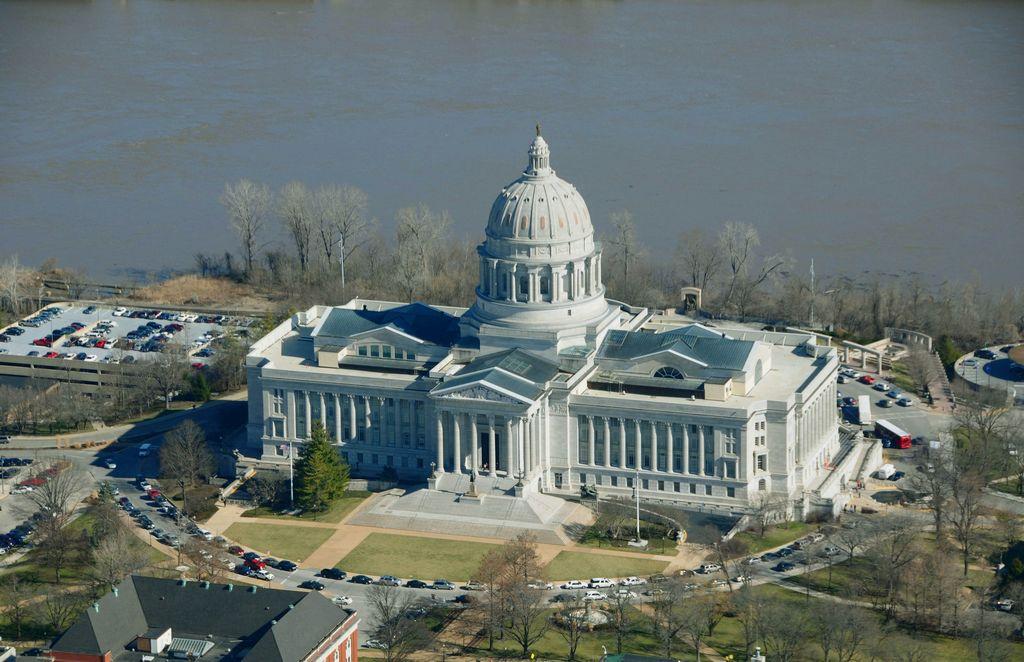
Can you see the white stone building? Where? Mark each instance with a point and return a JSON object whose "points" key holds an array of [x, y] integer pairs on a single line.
{"points": [[544, 385]]}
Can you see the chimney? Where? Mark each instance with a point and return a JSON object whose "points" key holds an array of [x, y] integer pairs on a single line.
{"points": [[206, 585], [231, 587], [182, 582], [96, 607], [114, 591]]}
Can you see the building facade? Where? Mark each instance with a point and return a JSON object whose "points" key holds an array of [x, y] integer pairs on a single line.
{"points": [[546, 385]]}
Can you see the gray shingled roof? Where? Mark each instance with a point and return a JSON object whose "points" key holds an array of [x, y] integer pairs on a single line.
{"points": [[515, 370], [692, 341], [303, 619], [416, 319]]}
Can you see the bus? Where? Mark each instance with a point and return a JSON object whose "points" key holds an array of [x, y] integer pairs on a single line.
{"points": [[891, 436]]}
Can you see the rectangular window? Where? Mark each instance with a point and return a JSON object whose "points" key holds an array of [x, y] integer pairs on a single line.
{"points": [[678, 487], [629, 482], [661, 486], [374, 350], [615, 481], [399, 354], [359, 458], [390, 460], [386, 351], [762, 462], [410, 355], [707, 490], [645, 484], [730, 491], [362, 350], [693, 488], [373, 459], [278, 401], [419, 463], [277, 428]]}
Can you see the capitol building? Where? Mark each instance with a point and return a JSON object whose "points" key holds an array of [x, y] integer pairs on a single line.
{"points": [[545, 385]]}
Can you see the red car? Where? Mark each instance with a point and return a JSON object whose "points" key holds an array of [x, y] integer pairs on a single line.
{"points": [[32, 482], [51, 355], [256, 564], [42, 342], [236, 550], [152, 494], [867, 379]]}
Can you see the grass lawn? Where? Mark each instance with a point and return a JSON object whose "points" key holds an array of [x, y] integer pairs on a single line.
{"points": [[846, 576], [281, 540], [1006, 486], [581, 565], [655, 546], [338, 511], [415, 557], [776, 535]]}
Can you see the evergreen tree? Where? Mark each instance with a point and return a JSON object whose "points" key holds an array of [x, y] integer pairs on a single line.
{"points": [[321, 474]]}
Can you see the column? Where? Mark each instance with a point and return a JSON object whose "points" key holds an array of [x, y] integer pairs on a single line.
{"points": [[510, 447], [291, 415], [510, 277], [337, 418], [607, 443], [521, 445], [440, 441], [556, 283], [492, 278], [366, 414], [475, 452], [654, 445], [527, 445], [592, 460], [398, 423], [492, 457], [686, 448], [700, 448], [351, 416], [309, 413], [638, 444], [622, 443], [670, 464], [323, 412], [456, 437]]}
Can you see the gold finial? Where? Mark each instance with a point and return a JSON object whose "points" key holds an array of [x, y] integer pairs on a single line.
{"points": [[538, 128]]}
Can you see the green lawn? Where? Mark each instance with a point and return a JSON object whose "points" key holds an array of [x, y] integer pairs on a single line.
{"points": [[1007, 486], [846, 576], [774, 536], [580, 565], [338, 511], [415, 557], [656, 546], [281, 540]]}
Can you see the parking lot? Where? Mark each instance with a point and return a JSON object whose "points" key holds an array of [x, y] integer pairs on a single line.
{"points": [[101, 333]]}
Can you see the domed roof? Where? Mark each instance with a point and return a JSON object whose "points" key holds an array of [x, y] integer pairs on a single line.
{"points": [[539, 205]]}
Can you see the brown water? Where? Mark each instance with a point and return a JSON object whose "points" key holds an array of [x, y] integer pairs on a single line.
{"points": [[869, 135]]}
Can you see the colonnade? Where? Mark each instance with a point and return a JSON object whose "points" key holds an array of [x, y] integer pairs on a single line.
{"points": [[517, 453], [683, 445], [353, 413], [499, 280]]}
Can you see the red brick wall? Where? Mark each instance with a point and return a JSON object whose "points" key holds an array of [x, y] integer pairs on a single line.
{"points": [[59, 656]]}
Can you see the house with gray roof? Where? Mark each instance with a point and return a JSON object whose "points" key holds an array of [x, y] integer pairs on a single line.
{"points": [[544, 385], [149, 616]]}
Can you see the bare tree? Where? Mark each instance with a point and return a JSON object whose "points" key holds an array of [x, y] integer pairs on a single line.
{"points": [[399, 636], [620, 606], [295, 208], [56, 545], [964, 510], [115, 557], [490, 609], [699, 257], [842, 633], [166, 374], [204, 560], [522, 561], [739, 243], [784, 628], [247, 204], [16, 596], [185, 457], [667, 616], [920, 367], [767, 509], [893, 545], [341, 223], [701, 614], [61, 607], [11, 275], [854, 534], [63, 487], [419, 234], [624, 242], [527, 613], [573, 622]]}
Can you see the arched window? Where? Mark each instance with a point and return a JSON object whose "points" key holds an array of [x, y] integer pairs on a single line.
{"points": [[668, 372]]}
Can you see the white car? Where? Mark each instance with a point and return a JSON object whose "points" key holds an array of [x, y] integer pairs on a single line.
{"points": [[109, 463], [263, 574], [626, 594], [573, 584], [1006, 604], [21, 489], [544, 586], [120, 311], [592, 596], [904, 402], [342, 600], [816, 537], [741, 579], [601, 582], [91, 358], [709, 568], [633, 581]]}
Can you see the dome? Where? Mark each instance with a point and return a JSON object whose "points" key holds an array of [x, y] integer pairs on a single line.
{"points": [[539, 206]]}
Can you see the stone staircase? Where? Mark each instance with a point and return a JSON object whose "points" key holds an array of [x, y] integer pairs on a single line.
{"points": [[485, 485]]}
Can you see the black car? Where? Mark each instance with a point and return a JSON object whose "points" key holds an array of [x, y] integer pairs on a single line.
{"points": [[287, 566], [985, 354], [417, 583], [897, 475], [783, 566], [312, 584], [333, 573], [786, 551], [361, 579]]}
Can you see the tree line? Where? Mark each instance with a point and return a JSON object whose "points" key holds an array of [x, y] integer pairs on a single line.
{"points": [[332, 250]]}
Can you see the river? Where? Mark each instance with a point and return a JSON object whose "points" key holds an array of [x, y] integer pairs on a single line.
{"points": [[882, 136]]}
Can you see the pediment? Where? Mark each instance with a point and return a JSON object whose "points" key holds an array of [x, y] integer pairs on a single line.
{"points": [[484, 393]]}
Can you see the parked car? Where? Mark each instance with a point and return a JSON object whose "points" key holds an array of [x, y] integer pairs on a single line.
{"points": [[236, 550], [709, 568], [600, 582], [881, 386], [333, 573], [633, 581], [416, 583], [361, 579], [443, 585], [783, 566], [110, 463], [866, 379], [342, 600], [592, 596], [388, 580], [287, 566], [573, 584], [312, 584]]}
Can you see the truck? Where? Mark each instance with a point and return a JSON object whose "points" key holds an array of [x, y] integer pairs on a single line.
{"points": [[885, 471], [864, 410]]}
